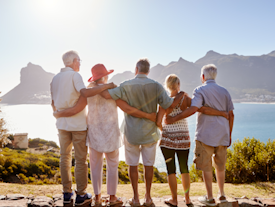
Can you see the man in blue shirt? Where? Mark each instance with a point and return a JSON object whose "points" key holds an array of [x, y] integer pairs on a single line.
{"points": [[213, 133]]}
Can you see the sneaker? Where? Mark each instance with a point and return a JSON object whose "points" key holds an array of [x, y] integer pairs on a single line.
{"points": [[83, 199], [67, 197], [208, 202], [221, 198]]}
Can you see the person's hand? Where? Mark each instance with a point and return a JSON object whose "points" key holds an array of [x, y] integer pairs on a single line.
{"points": [[152, 117], [55, 114], [111, 85], [168, 120], [225, 115], [180, 95]]}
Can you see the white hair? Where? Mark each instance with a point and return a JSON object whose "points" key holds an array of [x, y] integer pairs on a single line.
{"points": [[69, 57], [209, 71]]}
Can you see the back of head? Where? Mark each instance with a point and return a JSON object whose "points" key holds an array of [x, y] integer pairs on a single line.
{"points": [[171, 82], [69, 57], [209, 71], [143, 65]]}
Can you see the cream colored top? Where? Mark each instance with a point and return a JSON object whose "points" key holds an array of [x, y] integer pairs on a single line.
{"points": [[65, 92], [103, 130]]}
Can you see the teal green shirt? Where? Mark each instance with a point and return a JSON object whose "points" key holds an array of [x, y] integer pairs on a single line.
{"points": [[144, 94]]}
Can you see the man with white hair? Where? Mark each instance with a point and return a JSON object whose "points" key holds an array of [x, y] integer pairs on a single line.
{"points": [[66, 89], [213, 133]]}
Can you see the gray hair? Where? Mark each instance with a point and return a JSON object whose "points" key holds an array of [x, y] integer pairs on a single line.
{"points": [[69, 57], [209, 71], [143, 65]]}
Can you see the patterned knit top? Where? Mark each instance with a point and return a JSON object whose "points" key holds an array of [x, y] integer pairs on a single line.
{"points": [[176, 135]]}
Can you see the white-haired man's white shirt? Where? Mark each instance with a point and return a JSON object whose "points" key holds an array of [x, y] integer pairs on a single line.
{"points": [[65, 92]]}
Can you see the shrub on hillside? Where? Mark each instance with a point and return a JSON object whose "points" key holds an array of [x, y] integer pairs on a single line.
{"points": [[250, 160], [37, 142]]}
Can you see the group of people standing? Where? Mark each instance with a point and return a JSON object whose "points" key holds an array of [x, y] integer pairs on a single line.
{"points": [[148, 108]]}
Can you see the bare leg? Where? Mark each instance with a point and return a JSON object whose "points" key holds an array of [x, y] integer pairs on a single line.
{"points": [[98, 197], [133, 172], [208, 177], [220, 179], [172, 180], [149, 172], [185, 178], [113, 198]]}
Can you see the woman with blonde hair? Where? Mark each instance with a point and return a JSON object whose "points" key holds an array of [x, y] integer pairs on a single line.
{"points": [[175, 139]]}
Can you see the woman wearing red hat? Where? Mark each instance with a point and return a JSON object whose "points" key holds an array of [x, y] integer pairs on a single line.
{"points": [[103, 133]]}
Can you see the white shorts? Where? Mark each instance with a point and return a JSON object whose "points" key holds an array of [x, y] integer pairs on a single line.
{"points": [[132, 153]]}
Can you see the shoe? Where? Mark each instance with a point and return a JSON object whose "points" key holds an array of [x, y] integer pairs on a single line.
{"points": [[208, 202], [133, 204], [67, 197], [167, 202], [118, 201], [221, 198], [83, 199]]}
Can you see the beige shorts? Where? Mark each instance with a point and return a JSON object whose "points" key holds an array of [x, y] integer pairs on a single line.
{"points": [[132, 153], [204, 155]]}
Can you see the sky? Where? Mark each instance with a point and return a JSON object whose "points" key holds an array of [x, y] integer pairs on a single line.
{"points": [[119, 32]]}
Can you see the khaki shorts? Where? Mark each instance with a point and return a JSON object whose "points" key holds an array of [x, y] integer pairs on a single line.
{"points": [[204, 155], [132, 153]]}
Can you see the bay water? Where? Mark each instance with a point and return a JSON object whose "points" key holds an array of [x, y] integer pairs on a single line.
{"points": [[251, 120]]}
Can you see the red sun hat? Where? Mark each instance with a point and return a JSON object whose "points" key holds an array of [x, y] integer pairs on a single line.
{"points": [[99, 71]]}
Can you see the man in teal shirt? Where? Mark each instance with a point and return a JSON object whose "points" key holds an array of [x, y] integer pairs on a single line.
{"points": [[141, 135]]}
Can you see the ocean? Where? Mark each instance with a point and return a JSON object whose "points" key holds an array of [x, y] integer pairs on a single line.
{"points": [[251, 120]]}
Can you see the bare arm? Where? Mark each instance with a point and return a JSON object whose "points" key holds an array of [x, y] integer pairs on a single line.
{"points": [[53, 106], [186, 103], [186, 113], [176, 101], [231, 122], [213, 112], [124, 106], [79, 106], [160, 115], [88, 92], [105, 94]]}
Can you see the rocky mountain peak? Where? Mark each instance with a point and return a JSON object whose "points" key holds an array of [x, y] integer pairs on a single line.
{"points": [[212, 53], [272, 53]]}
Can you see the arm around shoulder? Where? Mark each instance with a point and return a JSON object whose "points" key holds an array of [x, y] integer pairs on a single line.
{"points": [[88, 92], [79, 106]]}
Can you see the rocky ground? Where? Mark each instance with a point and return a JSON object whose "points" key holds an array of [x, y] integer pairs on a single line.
{"points": [[18, 200]]}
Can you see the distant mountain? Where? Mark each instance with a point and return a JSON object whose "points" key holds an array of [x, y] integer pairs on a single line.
{"points": [[239, 74], [34, 87], [272, 53], [120, 77]]}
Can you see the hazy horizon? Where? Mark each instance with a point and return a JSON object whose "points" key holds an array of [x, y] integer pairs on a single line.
{"points": [[117, 33]]}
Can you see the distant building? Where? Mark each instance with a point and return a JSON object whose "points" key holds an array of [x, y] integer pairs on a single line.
{"points": [[21, 141]]}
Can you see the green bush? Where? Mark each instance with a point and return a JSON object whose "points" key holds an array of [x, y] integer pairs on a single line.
{"points": [[250, 160]]}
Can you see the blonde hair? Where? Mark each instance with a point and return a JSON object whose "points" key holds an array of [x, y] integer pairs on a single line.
{"points": [[171, 82]]}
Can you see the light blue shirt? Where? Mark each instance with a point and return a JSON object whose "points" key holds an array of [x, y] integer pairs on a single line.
{"points": [[212, 130], [144, 94]]}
